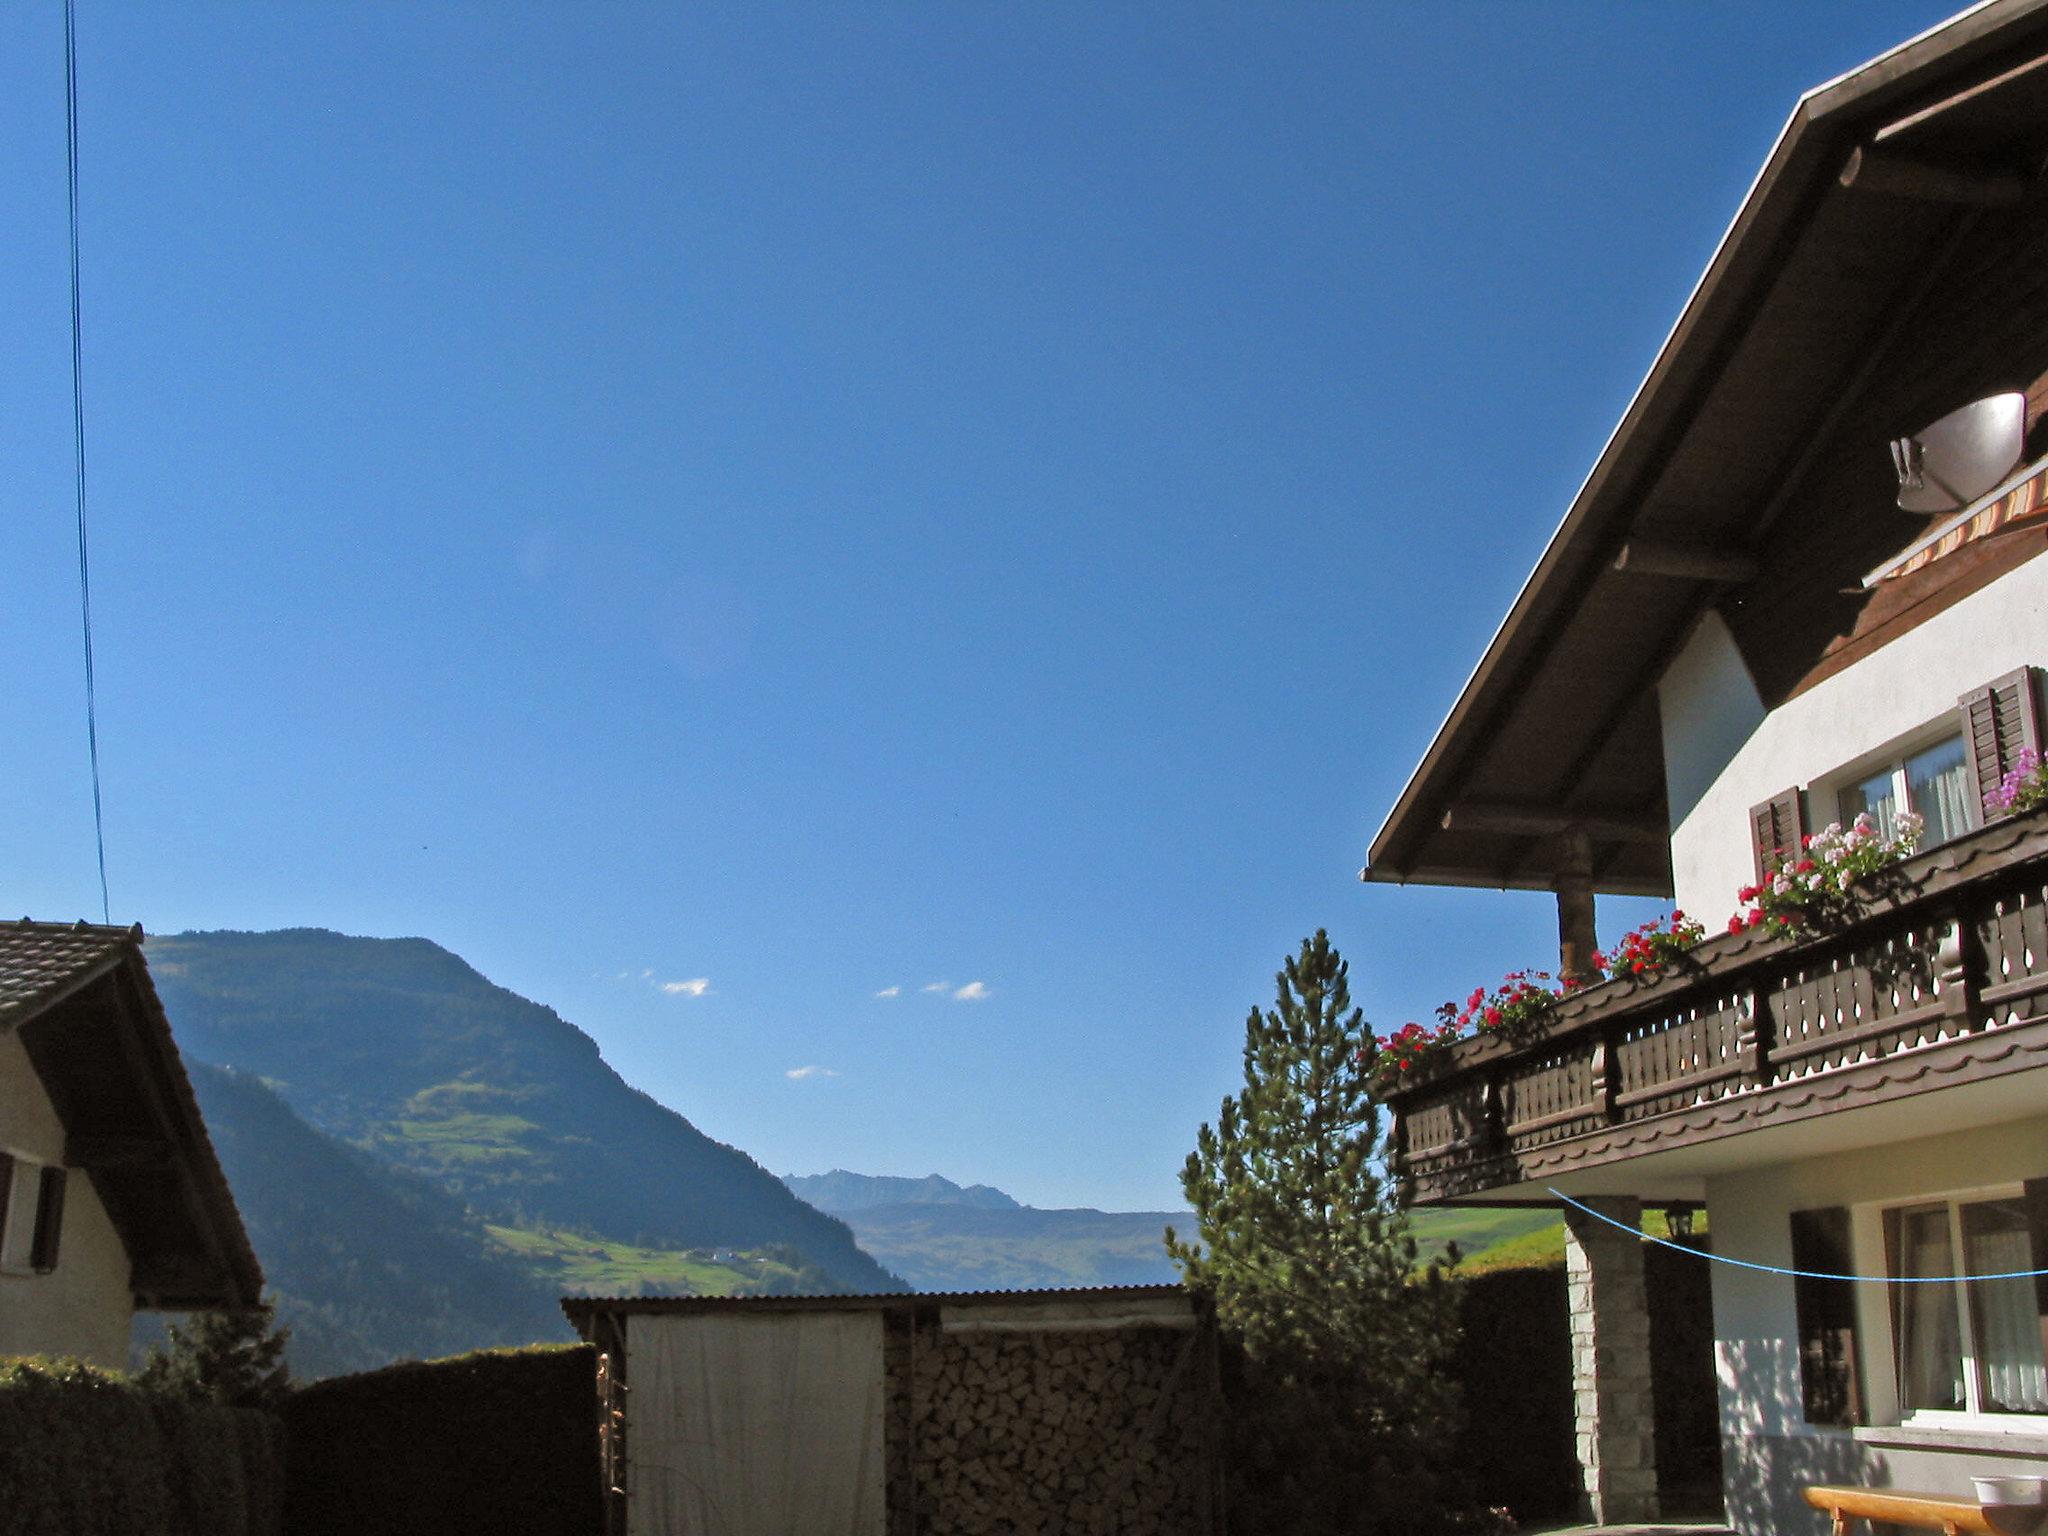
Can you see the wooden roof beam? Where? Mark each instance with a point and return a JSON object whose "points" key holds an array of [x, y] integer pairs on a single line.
{"points": [[1539, 821], [93, 1151], [1691, 562], [1896, 175]]}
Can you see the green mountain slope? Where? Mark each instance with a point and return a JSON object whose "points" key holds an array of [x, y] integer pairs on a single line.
{"points": [[1477, 1230], [402, 1049], [367, 1262]]}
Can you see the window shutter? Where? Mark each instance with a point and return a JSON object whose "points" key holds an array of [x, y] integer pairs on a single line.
{"points": [[6, 1196], [1826, 1311], [1777, 826], [2000, 720], [49, 1221]]}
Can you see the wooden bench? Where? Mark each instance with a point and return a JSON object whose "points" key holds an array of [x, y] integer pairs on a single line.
{"points": [[1845, 1503]]}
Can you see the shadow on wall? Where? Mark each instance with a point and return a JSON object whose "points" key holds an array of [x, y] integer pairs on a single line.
{"points": [[1765, 1462], [1514, 1361]]}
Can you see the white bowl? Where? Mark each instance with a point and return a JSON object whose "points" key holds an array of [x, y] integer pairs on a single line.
{"points": [[2008, 1492]]}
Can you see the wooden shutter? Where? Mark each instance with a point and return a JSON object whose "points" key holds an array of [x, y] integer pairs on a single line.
{"points": [[2000, 720], [1826, 1309], [42, 1256], [1778, 826]]}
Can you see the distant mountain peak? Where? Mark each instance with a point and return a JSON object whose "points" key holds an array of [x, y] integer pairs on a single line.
{"points": [[841, 1191]]}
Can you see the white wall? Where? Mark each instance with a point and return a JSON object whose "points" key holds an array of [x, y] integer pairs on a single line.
{"points": [[1768, 1449], [84, 1307], [1723, 754]]}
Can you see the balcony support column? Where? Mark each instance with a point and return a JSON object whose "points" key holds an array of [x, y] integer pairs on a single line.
{"points": [[1615, 1420], [1577, 939]]}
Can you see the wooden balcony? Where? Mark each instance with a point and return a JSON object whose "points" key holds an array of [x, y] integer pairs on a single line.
{"points": [[1941, 982]]}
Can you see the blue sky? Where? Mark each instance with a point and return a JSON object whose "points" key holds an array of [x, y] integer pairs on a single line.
{"points": [[885, 560]]}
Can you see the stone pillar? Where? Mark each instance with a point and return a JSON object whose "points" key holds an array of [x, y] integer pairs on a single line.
{"points": [[1617, 1439]]}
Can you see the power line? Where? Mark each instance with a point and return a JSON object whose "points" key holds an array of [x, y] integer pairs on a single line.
{"points": [[92, 732]]}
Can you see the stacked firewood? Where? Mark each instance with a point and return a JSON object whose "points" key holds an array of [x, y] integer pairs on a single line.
{"points": [[1058, 1434]]}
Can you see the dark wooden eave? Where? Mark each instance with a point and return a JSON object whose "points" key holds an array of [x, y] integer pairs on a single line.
{"points": [[1790, 330]]}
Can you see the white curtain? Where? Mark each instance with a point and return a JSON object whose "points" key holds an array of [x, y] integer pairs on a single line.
{"points": [[754, 1425], [1938, 780], [1930, 1346], [2011, 1377]]}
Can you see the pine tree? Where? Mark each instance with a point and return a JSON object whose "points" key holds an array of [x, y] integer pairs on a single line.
{"points": [[1344, 1414], [236, 1358]]}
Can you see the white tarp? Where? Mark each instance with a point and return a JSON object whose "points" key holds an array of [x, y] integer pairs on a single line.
{"points": [[768, 1425]]}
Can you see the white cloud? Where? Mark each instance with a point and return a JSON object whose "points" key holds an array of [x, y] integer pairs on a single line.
{"points": [[648, 974], [889, 992], [696, 986], [798, 1074], [973, 992], [936, 986]]}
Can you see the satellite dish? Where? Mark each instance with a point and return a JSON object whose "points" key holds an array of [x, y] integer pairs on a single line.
{"points": [[1961, 457]]}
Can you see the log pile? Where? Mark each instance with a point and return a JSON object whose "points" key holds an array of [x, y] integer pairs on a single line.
{"points": [[1049, 1433]]}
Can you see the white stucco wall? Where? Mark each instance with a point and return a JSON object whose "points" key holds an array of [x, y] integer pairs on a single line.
{"points": [[1724, 754], [1768, 1449], [85, 1306]]}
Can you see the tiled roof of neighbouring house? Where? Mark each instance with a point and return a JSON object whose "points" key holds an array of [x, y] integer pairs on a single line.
{"points": [[42, 962]]}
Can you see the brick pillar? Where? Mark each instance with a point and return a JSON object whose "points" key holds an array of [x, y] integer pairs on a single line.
{"points": [[1617, 1440]]}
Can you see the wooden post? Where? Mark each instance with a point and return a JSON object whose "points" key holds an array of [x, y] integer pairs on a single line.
{"points": [[1577, 940]]}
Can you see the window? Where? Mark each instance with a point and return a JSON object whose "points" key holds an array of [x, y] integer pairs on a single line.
{"points": [[31, 1215], [1943, 774], [1934, 781], [1973, 1344]]}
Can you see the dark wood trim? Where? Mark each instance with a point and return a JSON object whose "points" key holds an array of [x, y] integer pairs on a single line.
{"points": [[1545, 821], [1689, 562], [1954, 1063], [1888, 174], [1947, 104], [116, 1151]]}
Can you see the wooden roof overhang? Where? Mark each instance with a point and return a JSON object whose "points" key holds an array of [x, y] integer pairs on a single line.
{"points": [[81, 1000], [1874, 187]]}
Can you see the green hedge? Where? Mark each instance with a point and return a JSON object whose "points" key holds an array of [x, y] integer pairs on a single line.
{"points": [[496, 1443], [84, 1452]]}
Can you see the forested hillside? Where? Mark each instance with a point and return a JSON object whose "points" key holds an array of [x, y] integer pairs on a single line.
{"points": [[368, 1263], [404, 1051]]}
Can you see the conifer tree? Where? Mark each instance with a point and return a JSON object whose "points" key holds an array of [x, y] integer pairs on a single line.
{"points": [[236, 1358], [1345, 1415]]}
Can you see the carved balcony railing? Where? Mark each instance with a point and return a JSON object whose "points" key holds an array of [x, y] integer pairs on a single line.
{"points": [[1942, 979]]}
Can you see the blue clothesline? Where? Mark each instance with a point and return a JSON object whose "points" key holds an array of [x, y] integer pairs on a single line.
{"points": [[1799, 1274]]}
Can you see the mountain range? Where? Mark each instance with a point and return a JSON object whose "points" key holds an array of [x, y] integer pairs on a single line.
{"points": [[426, 1162], [942, 1237]]}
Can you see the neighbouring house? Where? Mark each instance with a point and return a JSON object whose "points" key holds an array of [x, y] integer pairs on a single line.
{"points": [[1795, 587], [111, 1198], [1085, 1411]]}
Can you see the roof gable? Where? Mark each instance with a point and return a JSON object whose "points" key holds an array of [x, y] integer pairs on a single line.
{"points": [[1800, 339], [80, 1000]]}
